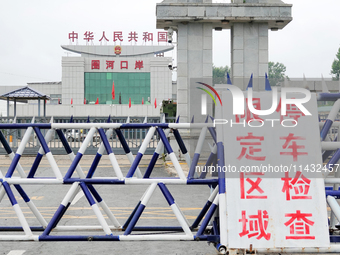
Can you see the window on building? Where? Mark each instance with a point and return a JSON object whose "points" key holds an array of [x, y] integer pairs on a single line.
{"points": [[127, 85]]}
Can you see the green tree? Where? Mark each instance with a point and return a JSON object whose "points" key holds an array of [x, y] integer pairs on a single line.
{"points": [[220, 74], [336, 66], [276, 73]]}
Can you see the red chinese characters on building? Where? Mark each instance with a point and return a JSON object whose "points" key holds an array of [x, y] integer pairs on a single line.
{"points": [[73, 36], [249, 150], [139, 64], [124, 65], [95, 64], [133, 36], [250, 188], [118, 35], [292, 112], [162, 37], [293, 147], [299, 184], [88, 36], [109, 64], [103, 37], [147, 36], [299, 225], [255, 225], [248, 115]]}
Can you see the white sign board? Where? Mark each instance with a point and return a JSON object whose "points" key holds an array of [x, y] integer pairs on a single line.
{"points": [[275, 190]]}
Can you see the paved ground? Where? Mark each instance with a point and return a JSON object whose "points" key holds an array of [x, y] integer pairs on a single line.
{"points": [[121, 200]]}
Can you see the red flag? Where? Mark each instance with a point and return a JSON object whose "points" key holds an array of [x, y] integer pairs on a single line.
{"points": [[130, 102], [97, 102], [113, 90], [142, 100], [71, 100], [155, 103], [84, 100]]}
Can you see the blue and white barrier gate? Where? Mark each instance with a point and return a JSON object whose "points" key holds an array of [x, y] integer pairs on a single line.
{"points": [[80, 183], [209, 224]]}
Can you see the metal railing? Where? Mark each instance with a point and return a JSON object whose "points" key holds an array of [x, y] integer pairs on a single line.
{"points": [[134, 137]]}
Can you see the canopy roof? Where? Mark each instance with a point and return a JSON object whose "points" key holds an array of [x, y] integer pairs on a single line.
{"points": [[25, 93]]}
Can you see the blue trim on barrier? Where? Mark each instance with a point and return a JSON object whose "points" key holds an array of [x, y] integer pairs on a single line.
{"points": [[9, 193], [215, 227], [201, 214], [131, 215], [193, 165], [64, 141], [78, 238], [164, 140], [21, 229], [220, 163], [328, 96], [330, 188], [55, 219], [13, 165], [206, 219], [105, 141], [134, 165], [5, 143], [334, 159], [333, 193], [213, 133], [25, 125], [134, 219], [94, 181], [95, 193], [325, 129], [122, 140], [35, 165], [94, 165], [87, 193], [41, 140], [61, 215], [334, 239], [22, 193], [73, 166], [151, 165], [166, 194], [207, 164], [180, 141], [202, 181]]}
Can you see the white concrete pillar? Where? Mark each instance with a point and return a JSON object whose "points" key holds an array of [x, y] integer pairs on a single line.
{"points": [[249, 54], [194, 62]]}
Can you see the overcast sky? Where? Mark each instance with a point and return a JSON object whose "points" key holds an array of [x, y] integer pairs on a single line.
{"points": [[32, 32]]}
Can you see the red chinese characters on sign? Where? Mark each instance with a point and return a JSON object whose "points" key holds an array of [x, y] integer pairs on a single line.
{"points": [[109, 64], [248, 115], [103, 37], [139, 64], [255, 225], [293, 146], [133, 36], [73, 36], [162, 37], [88, 36], [124, 65], [300, 184], [118, 35], [299, 225], [248, 147], [254, 191], [292, 112], [95, 64], [147, 36]]}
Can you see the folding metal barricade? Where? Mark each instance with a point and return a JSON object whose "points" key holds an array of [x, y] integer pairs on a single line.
{"points": [[209, 224]]}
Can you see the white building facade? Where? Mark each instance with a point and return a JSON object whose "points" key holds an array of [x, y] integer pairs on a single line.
{"points": [[138, 76]]}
